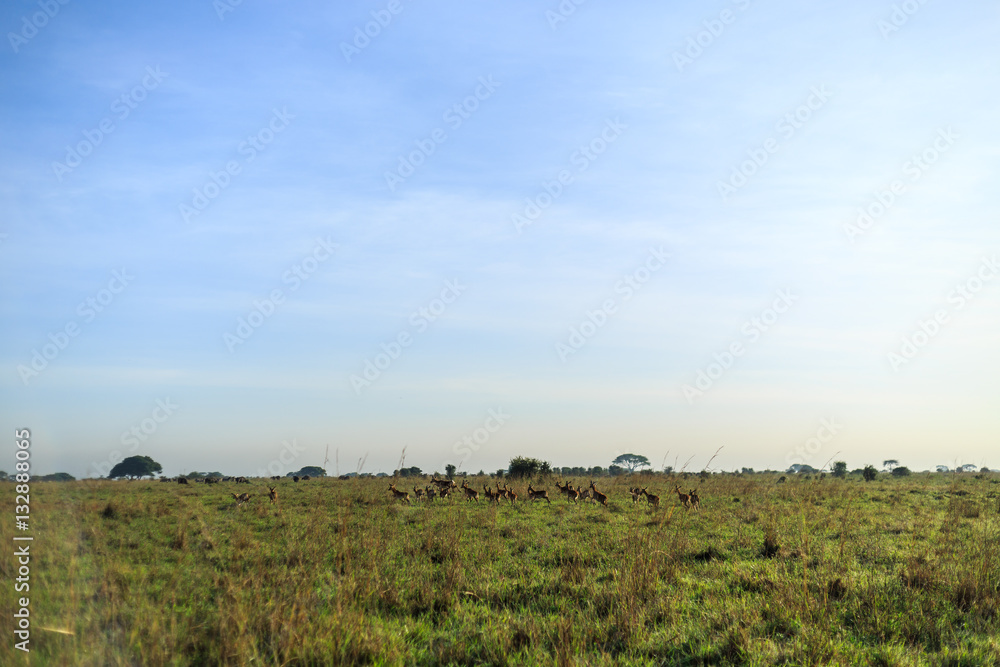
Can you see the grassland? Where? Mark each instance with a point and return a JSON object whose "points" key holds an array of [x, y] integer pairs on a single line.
{"points": [[890, 572]]}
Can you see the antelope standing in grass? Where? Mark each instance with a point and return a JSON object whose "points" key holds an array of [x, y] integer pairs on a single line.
{"points": [[695, 499], [272, 494], [598, 496], [510, 493], [470, 493], [585, 494], [399, 495], [540, 493], [444, 492], [636, 492], [418, 493], [491, 495], [444, 483], [572, 493], [431, 493], [240, 499], [650, 498], [683, 497]]}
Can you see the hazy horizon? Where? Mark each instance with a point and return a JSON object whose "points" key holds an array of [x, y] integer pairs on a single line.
{"points": [[556, 230]]}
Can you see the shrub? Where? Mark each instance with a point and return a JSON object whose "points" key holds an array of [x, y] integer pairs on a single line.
{"points": [[869, 473]]}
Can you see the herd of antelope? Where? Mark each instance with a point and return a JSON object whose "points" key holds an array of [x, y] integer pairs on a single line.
{"points": [[441, 488]]}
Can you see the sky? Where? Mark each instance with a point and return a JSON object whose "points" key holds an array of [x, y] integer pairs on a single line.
{"points": [[253, 236]]}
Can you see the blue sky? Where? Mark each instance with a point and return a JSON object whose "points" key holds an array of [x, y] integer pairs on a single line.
{"points": [[825, 108]]}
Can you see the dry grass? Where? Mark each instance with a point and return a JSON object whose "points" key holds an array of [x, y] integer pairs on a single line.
{"points": [[892, 572]]}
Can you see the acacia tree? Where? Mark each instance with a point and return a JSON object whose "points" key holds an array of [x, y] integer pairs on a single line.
{"points": [[135, 467], [631, 461], [890, 464]]}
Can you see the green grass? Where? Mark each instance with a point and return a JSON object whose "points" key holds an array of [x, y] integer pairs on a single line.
{"points": [[892, 572]]}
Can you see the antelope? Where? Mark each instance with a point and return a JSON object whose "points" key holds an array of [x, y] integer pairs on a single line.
{"points": [[683, 497], [636, 492], [240, 499], [695, 499], [444, 492], [511, 494], [418, 493], [242, 480], [399, 495], [585, 494], [444, 483], [598, 496], [272, 494], [534, 495], [470, 493], [650, 498], [431, 493], [491, 495], [571, 493]]}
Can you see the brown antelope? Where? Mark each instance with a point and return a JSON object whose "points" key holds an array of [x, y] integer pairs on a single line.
{"points": [[418, 493], [444, 492], [399, 495], [683, 497], [585, 494], [491, 495], [636, 492], [444, 483], [598, 496], [572, 493], [431, 493], [534, 495], [511, 494], [272, 494], [240, 499], [695, 498], [650, 498], [470, 493]]}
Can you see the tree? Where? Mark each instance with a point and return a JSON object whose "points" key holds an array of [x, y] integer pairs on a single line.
{"points": [[614, 471], [412, 471], [3, 476], [890, 464], [57, 477], [869, 473], [523, 466], [984, 469], [840, 469], [311, 471], [943, 469], [901, 471], [135, 467], [631, 461], [449, 470]]}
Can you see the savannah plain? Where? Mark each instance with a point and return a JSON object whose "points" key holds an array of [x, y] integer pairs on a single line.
{"points": [[896, 571]]}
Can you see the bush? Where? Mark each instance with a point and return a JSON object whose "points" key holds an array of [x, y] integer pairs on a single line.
{"points": [[523, 466], [840, 469], [869, 473], [901, 471]]}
